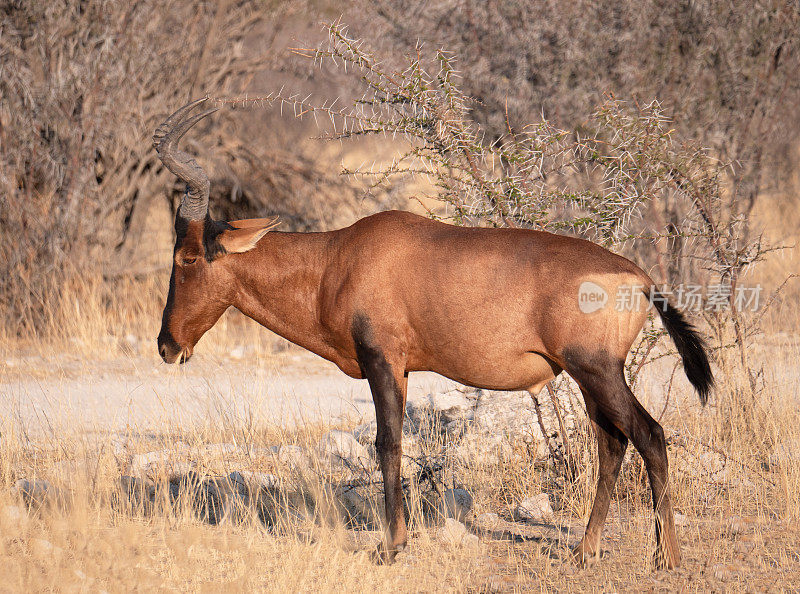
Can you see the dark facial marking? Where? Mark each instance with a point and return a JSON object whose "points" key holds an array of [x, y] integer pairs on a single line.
{"points": [[212, 249]]}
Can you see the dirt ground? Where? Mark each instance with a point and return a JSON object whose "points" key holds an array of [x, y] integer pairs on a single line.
{"points": [[124, 392], [734, 539]]}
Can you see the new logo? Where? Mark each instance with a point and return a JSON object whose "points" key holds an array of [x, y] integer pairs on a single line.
{"points": [[591, 297]]}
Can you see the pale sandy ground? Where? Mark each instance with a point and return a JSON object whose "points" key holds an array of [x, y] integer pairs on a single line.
{"points": [[73, 391], [137, 391]]}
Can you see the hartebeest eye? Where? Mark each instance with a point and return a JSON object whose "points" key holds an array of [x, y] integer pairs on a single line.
{"points": [[188, 260]]}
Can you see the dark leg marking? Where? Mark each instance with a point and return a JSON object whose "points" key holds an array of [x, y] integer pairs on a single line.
{"points": [[602, 378], [611, 446], [389, 397]]}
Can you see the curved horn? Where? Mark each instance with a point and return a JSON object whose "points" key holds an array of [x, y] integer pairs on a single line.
{"points": [[194, 204]]}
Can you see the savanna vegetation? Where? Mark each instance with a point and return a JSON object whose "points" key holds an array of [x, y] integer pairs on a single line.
{"points": [[667, 131]]}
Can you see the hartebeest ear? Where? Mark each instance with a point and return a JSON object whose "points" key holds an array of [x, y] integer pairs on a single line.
{"points": [[245, 234]]}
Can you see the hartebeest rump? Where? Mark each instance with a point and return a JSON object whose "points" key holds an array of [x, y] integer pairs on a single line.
{"points": [[396, 292]]}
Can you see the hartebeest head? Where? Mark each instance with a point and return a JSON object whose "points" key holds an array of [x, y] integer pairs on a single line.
{"points": [[200, 288]]}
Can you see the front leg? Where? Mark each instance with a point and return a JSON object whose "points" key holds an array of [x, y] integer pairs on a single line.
{"points": [[388, 382]]}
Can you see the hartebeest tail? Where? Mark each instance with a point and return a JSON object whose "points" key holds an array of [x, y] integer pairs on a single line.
{"points": [[395, 293], [691, 346]]}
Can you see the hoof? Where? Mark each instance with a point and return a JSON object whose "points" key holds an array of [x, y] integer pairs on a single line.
{"points": [[385, 556], [584, 558], [664, 559]]}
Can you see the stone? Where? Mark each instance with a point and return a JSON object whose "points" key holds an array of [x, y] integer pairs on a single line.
{"points": [[224, 499], [162, 464], [470, 541], [355, 507], [535, 509], [220, 450], [488, 521], [341, 447], [455, 429], [706, 465], [508, 413], [35, 492], [139, 493], [291, 455], [366, 433], [254, 480], [438, 409], [481, 449], [456, 504], [452, 532]]}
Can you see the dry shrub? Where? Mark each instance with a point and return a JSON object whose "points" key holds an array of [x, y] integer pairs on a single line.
{"points": [[84, 85]]}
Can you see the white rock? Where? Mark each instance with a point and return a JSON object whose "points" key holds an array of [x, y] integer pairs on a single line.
{"points": [[535, 509], [456, 503], [480, 449], [366, 433], [160, 464], [342, 448], [707, 465], [488, 521], [291, 455], [681, 519], [219, 450], [254, 480], [356, 507], [508, 413], [440, 409], [451, 406], [452, 532], [470, 541]]}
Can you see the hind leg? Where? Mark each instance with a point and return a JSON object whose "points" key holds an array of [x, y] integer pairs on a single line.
{"points": [[611, 446], [603, 380]]}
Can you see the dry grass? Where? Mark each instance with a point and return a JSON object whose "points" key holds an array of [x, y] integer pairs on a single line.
{"points": [[741, 528], [741, 525]]}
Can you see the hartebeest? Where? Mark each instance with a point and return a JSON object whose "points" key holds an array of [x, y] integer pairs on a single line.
{"points": [[395, 292]]}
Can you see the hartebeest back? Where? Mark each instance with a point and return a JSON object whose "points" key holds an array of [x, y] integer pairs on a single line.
{"points": [[503, 309]]}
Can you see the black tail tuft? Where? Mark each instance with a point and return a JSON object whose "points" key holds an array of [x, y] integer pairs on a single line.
{"points": [[691, 346]]}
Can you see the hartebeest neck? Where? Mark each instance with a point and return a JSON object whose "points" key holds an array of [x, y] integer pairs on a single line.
{"points": [[278, 283]]}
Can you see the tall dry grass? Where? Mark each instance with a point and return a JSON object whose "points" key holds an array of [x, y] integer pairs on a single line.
{"points": [[739, 521]]}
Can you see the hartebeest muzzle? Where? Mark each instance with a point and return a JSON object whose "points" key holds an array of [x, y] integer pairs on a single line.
{"points": [[170, 350]]}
